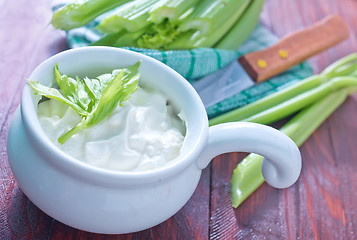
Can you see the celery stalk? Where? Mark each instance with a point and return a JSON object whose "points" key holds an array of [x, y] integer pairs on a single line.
{"points": [[296, 103], [343, 67], [323, 109], [129, 39], [247, 176], [223, 26], [132, 17], [243, 27], [186, 40], [109, 39], [81, 12], [159, 35], [210, 15], [211, 22], [171, 10], [268, 101]]}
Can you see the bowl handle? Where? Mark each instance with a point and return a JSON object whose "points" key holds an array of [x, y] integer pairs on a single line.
{"points": [[281, 164]]}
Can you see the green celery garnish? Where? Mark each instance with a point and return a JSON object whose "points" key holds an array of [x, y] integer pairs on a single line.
{"points": [[93, 99]]}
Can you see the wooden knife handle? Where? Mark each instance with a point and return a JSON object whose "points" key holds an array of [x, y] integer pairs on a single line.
{"points": [[295, 48]]}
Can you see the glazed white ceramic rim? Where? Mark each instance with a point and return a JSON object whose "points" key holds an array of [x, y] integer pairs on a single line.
{"points": [[191, 104]]}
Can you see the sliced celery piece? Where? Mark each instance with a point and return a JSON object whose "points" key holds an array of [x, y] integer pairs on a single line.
{"points": [[81, 12], [132, 17], [243, 27], [297, 103], [268, 101], [247, 176], [346, 66]]}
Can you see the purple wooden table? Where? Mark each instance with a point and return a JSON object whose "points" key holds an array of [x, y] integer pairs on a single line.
{"points": [[321, 205]]}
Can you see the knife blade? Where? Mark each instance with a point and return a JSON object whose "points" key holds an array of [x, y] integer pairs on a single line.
{"points": [[222, 84], [255, 67]]}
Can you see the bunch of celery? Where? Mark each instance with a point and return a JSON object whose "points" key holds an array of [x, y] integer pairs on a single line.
{"points": [[166, 24], [317, 97]]}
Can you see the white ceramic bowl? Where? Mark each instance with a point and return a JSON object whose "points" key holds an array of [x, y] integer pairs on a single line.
{"points": [[105, 201]]}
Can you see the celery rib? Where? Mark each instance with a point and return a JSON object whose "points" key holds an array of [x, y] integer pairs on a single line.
{"points": [[247, 176], [268, 101], [243, 27], [296, 103], [316, 104], [129, 39], [206, 26], [173, 24], [344, 67], [172, 10], [223, 26], [79, 13], [131, 17], [109, 39], [211, 15]]}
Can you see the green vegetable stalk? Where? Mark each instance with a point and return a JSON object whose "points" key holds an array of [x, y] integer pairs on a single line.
{"points": [[182, 24], [302, 100], [158, 35], [291, 99], [173, 10], [110, 39], [92, 99], [158, 18], [131, 17], [169, 24], [210, 15], [81, 12], [129, 38], [208, 24], [243, 27], [317, 97], [247, 176]]}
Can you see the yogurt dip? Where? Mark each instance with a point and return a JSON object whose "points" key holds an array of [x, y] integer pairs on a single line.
{"points": [[144, 133]]}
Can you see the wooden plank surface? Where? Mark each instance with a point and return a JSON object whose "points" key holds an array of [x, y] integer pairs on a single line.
{"points": [[321, 205]]}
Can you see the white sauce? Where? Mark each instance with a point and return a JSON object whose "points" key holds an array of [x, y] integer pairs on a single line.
{"points": [[145, 133]]}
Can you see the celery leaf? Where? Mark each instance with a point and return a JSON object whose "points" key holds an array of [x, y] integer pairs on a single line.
{"points": [[93, 99]]}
